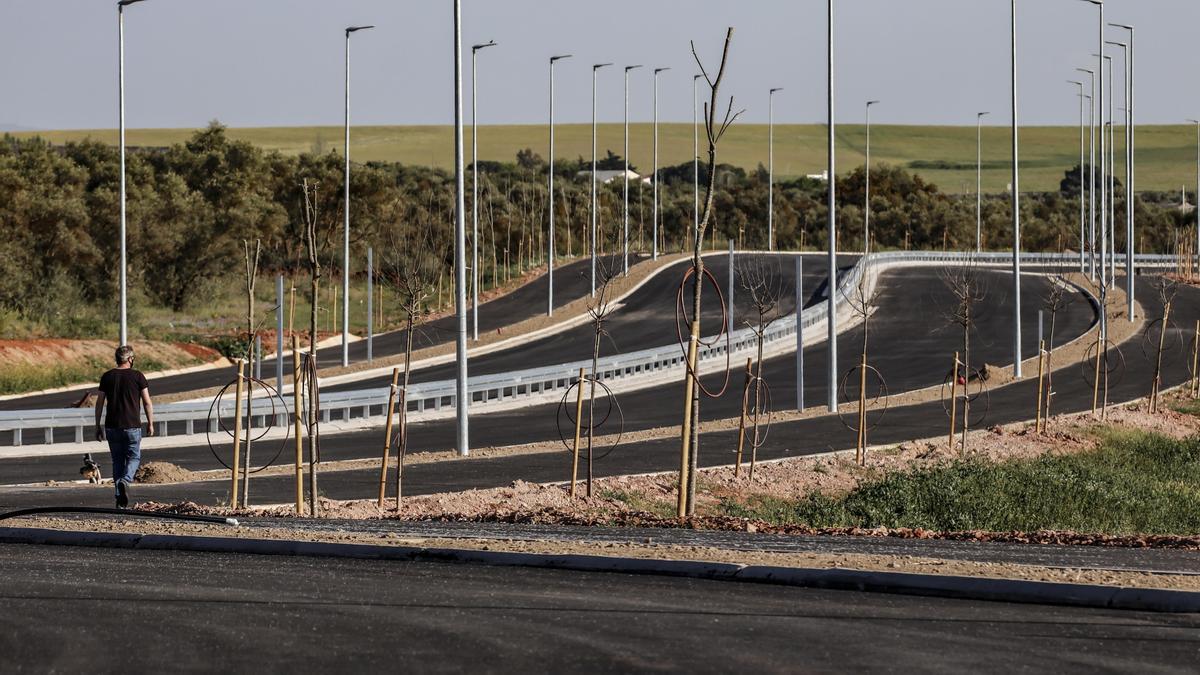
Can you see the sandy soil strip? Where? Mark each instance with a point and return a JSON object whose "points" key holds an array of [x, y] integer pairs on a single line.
{"points": [[652, 551]]}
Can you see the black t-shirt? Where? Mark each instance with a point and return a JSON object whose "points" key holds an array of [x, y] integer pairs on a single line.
{"points": [[122, 388]]}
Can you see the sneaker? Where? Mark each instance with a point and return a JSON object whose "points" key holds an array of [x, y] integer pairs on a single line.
{"points": [[122, 494]]}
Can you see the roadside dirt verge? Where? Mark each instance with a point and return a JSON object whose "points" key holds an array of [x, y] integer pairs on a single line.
{"points": [[649, 550]]}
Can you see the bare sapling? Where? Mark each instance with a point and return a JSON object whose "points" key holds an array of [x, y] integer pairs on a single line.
{"points": [[411, 265], [317, 232], [1059, 296], [966, 285], [715, 127], [1167, 290], [762, 282], [862, 299], [253, 254], [600, 308]]}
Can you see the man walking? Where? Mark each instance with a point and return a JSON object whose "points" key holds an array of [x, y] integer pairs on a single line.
{"points": [[125, 392]]}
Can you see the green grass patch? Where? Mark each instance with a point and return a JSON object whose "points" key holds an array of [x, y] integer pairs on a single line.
{"points": [[945, 155], [639, 502], [1135, 483]]}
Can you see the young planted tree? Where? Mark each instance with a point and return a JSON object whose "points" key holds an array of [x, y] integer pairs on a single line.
{"points": [[252, 258], [966, 284], [1058, 297], [761, 280], [600, 307], [715, 127], [862, 300], [411, 266], [318, 230]]}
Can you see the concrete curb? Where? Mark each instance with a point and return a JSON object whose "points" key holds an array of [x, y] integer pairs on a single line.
{"points": [[954, 587]]}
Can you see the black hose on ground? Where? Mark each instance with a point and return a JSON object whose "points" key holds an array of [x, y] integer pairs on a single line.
{"points": [[96, 510]]}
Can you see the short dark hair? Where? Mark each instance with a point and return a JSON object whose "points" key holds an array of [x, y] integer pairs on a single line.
{"points": [[124, 354]]}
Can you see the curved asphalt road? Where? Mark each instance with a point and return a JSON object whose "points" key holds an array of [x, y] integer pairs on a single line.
{"points": [[910, 349], [571, 282], [646, 319], [101, 610]]}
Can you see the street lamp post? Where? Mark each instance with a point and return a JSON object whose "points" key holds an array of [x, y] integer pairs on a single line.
{"points": [[979, 181], [1197, 123], [1099, 102], [550, 232], [1092, 170], [1128, 168], [461, 395], [475, 189], [696, 160], [1131, 175], [654, 177], [1106, 170], [771, 168], [1082, 206], [124, 271], [625, 247], [867, 200], [831, 184], [1016, 205], [346, 213], [595, 69]]}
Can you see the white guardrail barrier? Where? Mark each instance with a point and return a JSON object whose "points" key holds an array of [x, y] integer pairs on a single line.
{"points": [[430, 400]]}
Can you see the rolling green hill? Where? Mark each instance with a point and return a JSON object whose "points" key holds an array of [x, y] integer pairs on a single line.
{"points": [[944, 155]]}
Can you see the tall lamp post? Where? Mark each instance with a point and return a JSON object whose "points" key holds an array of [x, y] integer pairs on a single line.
{"points": [[867, 200], [1092, 170], [1016, 205], [124, 282], [654, 177], [831, 184], [1098, 101], [979, 181], [595, 69], [346, 213], [475, 189], [696, 160], [461, 395], [1106, 185], [1197, 123], [1128, 170], [1131, 176], [1082, 204], [550, 232], [771, 168], [625, 247]]}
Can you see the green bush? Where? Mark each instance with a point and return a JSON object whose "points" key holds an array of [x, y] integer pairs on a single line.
{"points": [[1133, 484]]}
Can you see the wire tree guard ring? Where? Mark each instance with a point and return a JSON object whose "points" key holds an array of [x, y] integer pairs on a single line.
{"points": [[877, 404], [614, 406], [276, 411]]}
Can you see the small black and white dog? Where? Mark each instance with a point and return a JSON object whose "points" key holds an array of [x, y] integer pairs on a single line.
{"points": [[90, 469]]}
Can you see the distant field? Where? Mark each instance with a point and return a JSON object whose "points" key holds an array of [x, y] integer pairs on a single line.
{"points": [[945, 155]]}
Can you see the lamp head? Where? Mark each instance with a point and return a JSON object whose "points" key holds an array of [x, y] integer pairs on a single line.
{"points": [[598, 66], [776, 89], [490, 43], [355, 29], [629, 68], [125, 3], [560, 57], [661, 70]]}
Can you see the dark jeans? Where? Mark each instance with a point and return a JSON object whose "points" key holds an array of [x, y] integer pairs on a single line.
{"points": [[125, 447]]}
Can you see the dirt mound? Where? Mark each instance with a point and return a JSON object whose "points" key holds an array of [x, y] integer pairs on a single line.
{"points": [[157, 473]]}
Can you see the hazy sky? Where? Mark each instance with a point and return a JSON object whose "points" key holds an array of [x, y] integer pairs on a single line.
{"points": [[280, 62]]}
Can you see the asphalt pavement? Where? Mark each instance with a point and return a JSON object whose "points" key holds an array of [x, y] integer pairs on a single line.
{"points": [[99, 610], [571, 282], [911, 350]]}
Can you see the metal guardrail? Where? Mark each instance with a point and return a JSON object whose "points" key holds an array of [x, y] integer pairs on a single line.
{"points": [[430, 399]]}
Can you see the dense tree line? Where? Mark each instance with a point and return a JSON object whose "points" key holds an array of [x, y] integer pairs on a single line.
{"points": [[190, 207]]}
